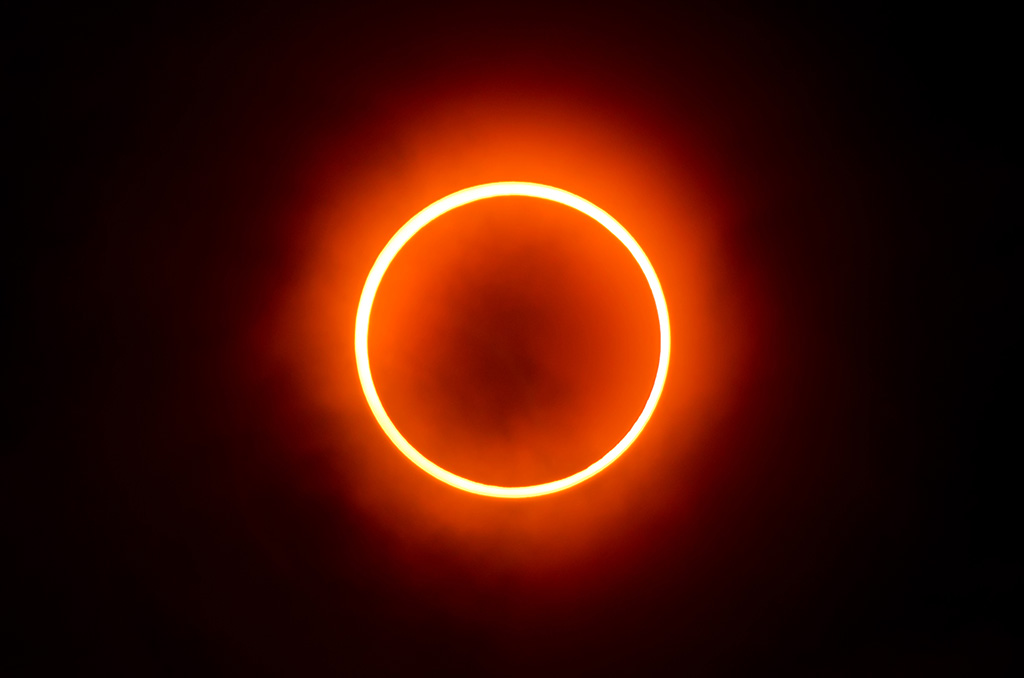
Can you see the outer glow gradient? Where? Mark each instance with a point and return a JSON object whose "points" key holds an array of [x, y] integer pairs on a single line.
{"points": [[422, 219]]}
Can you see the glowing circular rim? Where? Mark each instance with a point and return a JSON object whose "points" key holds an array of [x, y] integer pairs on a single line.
{"points": [[411, 228]]}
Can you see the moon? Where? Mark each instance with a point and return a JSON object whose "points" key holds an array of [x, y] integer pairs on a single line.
{"points": [[423, 219]]}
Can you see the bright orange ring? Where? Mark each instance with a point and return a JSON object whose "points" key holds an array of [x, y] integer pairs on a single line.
{"points": [[387, 255]]}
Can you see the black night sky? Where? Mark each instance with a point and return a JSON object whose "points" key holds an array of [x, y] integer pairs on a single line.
{"points": [[173, 503]]}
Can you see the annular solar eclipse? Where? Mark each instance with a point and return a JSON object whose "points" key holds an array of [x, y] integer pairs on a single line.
{"points": [[422, 220]]}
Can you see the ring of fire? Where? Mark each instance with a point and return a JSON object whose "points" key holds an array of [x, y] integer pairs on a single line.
{"points": [[422, 219]]}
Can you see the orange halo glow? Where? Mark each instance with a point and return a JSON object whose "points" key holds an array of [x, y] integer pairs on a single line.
{"points": [[422, 219]]}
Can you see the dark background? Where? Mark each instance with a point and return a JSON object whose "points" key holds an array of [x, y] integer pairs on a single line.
{"points": [[858, 517]]}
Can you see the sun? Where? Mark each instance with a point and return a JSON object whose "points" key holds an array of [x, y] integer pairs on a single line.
{"points": [[420, 221]]}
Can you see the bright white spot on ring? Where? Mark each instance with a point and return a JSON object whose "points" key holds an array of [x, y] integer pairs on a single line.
{"points": [[427, 215]]}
